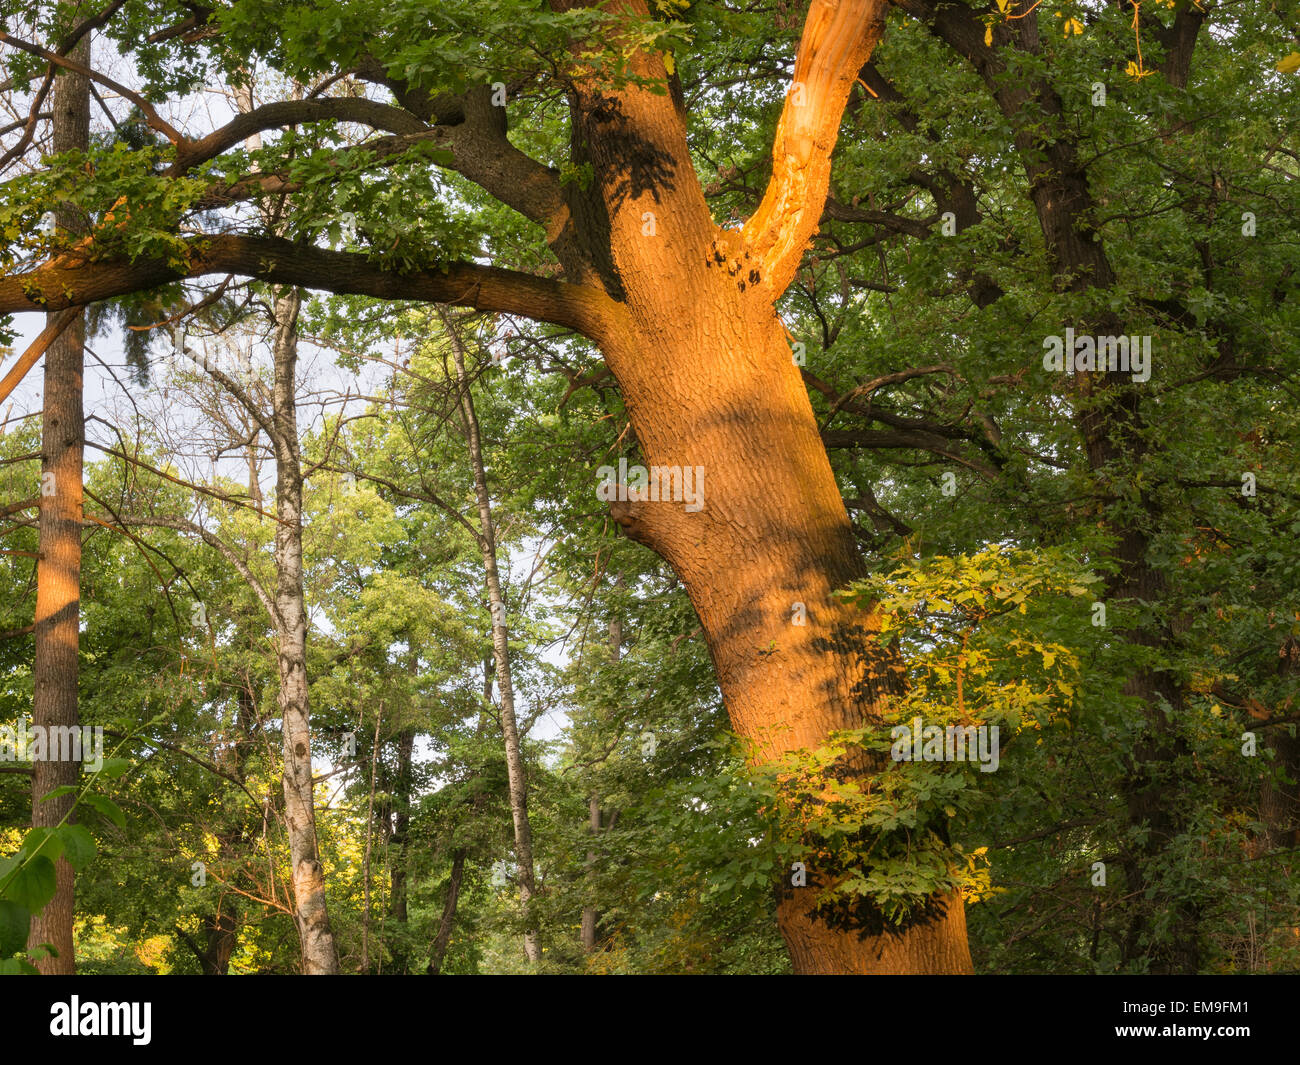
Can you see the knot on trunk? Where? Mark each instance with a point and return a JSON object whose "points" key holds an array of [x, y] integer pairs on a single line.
{"points": [[664, 527]]}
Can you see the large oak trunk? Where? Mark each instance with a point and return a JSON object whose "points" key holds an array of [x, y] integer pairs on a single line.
{"points": [[714, 387], [705, 367]]}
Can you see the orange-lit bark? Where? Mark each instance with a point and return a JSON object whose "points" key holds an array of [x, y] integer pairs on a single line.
{"points": [[58, 571], [702, 360]]}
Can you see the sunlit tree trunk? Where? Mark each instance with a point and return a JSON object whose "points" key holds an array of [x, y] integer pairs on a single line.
{"points": [[704, 364], [58, 571]]}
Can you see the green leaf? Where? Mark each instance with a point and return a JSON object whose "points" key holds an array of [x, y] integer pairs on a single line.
{"points": [[17, 967], [114, 767], [107, 808], [43, 841], [62, 789], [14, 922], [78, 846], [32, 885]]}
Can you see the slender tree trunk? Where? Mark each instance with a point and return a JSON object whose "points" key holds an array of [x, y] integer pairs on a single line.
{"points": [[448, 921], [590, 915], [319, 954], [58, 570], [397, 842], [370, 835], [501, 651]]}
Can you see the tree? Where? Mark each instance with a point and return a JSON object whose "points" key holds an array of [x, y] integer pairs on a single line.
{"points": [[58, 577], [500, 646], [944, 233]]}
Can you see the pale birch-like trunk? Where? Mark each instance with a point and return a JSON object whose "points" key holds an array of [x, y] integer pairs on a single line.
{"points": [[319, 954], [516, 776]]}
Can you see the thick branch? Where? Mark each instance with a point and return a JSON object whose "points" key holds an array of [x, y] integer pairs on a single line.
{"points": [[838, 38], [289, 113], [66, 282]]}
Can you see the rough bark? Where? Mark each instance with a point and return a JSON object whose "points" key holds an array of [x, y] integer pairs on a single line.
{"points": [[516, 774], [703, 363], [319, 955], [58, 570]]}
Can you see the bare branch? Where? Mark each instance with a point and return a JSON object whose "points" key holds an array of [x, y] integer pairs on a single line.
{"points": [[214, 541], [151, 114]]}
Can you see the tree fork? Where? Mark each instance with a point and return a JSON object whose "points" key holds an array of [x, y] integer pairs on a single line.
{"points": [[710, 384]]}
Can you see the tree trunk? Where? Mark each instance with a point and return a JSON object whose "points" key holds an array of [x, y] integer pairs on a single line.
{"points": [[370, 835], [401, 804], [319, 955], [219, 931], [1279, 796], [590, 915], [58, 570], [703, 362], [515, 773], [448, 921], [763, 543]]}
